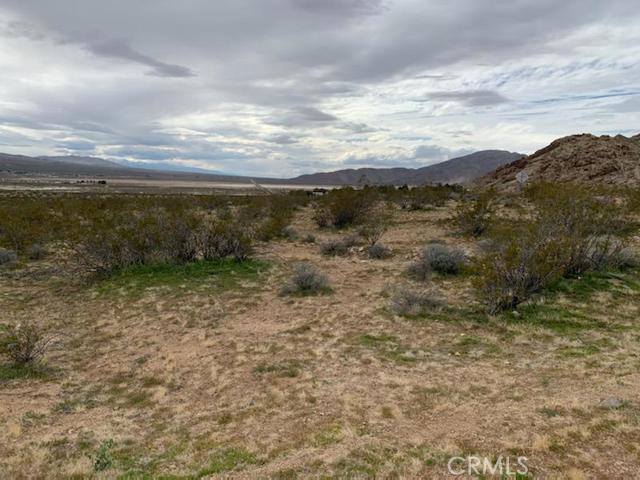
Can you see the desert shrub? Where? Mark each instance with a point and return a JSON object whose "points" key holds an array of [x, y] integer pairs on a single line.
{"points": [[271, 216], [626, 259], [305, 280], [408, 302], [338, 246], [24, 223], [24, 344], [487, 245], [378, 251], [344, 207], [419, 198], [573, 231], [154, 236], [436, 257], [473, 216], [309, 238], [525, 263], [7, 257], [290, 233], [375, 225], [585, 225], [37, 252], [223, 237]]}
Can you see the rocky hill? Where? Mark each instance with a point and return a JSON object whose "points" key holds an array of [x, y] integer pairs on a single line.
{"points": [[585, 158], [457, 170]]}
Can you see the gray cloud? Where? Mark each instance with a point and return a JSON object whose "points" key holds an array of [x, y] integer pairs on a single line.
{"points": [[471, 98], [343, 74], [120, 49]]}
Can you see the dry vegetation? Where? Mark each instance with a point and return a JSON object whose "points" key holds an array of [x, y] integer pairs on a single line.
{"points": [[175, 336]]}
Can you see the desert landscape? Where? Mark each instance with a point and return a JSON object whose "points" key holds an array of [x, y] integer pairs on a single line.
{"points": [[365, 333], [319, 239]]}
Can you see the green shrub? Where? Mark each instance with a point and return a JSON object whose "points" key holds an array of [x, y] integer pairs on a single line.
{"points": [[584, 224], [474, 215], [419, 198], [573, 231], [224, 237], [343, 207], [525, 263], [375, 225]]}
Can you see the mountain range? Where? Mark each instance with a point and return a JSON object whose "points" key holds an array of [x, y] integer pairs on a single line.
{"points": [[584, 158], [458, 170]]}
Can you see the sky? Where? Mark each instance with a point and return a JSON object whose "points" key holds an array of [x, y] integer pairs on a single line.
{"points": [[285, 87]]}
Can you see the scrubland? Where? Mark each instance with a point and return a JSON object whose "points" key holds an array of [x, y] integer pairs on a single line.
{"points": [[369, 333]]}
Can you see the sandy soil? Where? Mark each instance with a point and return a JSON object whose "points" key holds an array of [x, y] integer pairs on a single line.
{"points": [[252, 384]]}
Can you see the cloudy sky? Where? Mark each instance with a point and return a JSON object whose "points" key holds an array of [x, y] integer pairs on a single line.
{"points": [[283, 87]]}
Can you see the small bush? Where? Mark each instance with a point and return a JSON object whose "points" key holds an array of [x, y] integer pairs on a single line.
{"points": [[439, 258], [583, 224], [306, 280], [24, 344], [224, 237], [627, 259], [309, 238], [378, 251], [343, 207], [290, 233], [525, 263], [37, 252], [7, 257], [474, 216], [411, 303], [375, 226], [338, 247]]}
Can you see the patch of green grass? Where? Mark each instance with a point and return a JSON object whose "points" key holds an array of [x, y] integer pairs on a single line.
{"points": [[329, 435], [577, 352], [25, 372], [620, 284], [227, 460], [222, 275], [557, 318], [551, 412], [388, 347]]}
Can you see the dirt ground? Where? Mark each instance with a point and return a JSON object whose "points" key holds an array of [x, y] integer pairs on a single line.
{"points": [[242, 382]]}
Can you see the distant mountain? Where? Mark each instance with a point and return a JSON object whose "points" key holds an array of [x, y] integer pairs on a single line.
{"points": [[585, 158], [457, 170], [165, 167], [75, 166], [77, 160]]}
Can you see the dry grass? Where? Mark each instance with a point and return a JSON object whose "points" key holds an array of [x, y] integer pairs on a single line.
{"points": [[223, 376]]}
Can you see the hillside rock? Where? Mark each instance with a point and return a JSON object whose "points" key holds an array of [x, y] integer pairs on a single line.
{"points": [[585, 159]]}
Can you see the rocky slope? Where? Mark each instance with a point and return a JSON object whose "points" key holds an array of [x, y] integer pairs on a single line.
{"points": [[582, 158]]}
